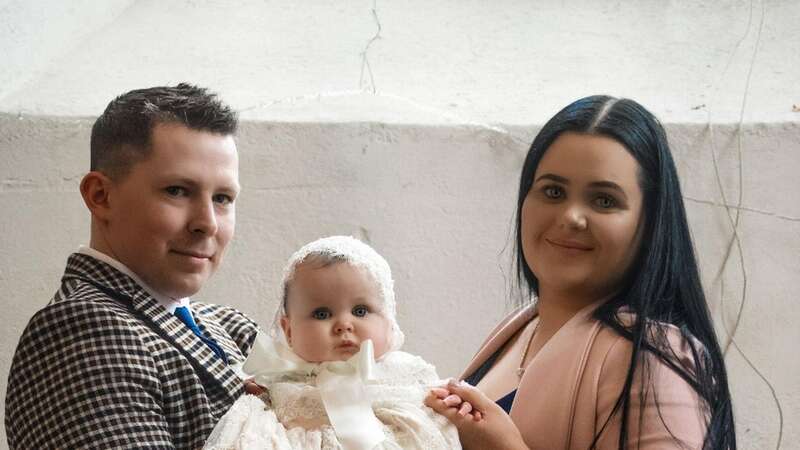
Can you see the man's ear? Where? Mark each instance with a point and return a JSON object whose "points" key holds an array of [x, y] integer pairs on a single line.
{"points": [[95, 190], [287, 330]]}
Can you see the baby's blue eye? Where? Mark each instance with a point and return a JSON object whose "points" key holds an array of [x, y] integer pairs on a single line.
{"points": [[360, 311], [321, 314]]}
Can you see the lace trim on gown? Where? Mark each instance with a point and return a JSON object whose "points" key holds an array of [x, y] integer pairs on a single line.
{"points": [[292, 416]]}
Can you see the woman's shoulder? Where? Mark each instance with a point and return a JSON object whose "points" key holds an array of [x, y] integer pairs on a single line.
{"points": [[524, 312], [667, 348], [662, 392]]}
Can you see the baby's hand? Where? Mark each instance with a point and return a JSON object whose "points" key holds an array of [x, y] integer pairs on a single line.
{"points": [[251, 387], [493, 428], [453, 401]]}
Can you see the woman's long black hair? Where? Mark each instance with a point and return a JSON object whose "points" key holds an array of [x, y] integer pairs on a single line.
{"points": [[663, 284]]}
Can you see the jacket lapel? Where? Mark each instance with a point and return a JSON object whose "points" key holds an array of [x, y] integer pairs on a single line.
{"points": [[217, 332], [550, 383], [499, 336], [548, 390], [122, 287]]}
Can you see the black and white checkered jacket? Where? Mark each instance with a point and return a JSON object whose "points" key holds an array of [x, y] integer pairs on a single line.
{"points": [[104, 365]]}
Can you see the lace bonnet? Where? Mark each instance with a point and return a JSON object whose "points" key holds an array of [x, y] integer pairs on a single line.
{"points": [[350, 250]]}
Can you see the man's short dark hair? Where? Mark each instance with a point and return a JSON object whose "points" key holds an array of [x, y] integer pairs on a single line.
{"points": [[122, 135]]}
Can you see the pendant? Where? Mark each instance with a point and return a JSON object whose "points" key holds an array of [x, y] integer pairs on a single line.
{"points": [[520, 371]]}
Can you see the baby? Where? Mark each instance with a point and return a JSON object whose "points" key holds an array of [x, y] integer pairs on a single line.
{"points": [[331, 364]]}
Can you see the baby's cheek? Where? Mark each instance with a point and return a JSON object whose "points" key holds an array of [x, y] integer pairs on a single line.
{"points": [[380, 338]]}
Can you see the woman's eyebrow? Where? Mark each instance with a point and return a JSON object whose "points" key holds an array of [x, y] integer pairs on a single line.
{"points": [[608, 185], [550, 176]]}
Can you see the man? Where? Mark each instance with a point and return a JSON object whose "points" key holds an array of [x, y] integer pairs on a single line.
{"points": [[120, 357]]}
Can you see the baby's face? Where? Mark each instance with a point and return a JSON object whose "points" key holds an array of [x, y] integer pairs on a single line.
{"points": [[331, 310]]}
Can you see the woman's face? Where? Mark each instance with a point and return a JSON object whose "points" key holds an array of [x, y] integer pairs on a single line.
{"points": [[581, 218]]}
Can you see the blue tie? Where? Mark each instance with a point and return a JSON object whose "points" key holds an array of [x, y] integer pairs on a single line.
{"points": [[185, 315]]}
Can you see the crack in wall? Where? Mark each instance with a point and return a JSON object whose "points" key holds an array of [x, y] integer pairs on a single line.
{"points": [[734, 212], [365, 65], [743, 208], [300, 98], [366, 69]]}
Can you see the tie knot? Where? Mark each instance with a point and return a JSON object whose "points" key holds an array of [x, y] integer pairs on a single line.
{"points": [[185, 314]]}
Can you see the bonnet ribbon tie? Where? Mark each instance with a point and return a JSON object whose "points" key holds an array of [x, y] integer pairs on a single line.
{"points": [[341, 385]]}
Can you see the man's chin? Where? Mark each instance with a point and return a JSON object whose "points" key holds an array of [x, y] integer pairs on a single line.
{"points": [[184, 287]]}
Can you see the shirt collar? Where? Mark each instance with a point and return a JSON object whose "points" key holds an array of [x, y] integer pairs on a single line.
{"points": [[167, 302]]}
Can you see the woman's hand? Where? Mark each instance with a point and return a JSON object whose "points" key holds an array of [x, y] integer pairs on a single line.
{"points": [[481, 423], [452, 400]]}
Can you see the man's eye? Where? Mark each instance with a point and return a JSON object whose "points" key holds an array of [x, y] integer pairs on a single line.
{"points": [[605, 202], [553, 192], [176, 191], [321, 314], [223, 199], [360, 311]]}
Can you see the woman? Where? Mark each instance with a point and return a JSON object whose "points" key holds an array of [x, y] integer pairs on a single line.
{"points": [[617, 350]]}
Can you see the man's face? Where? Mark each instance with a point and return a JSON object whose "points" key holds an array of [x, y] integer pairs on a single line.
{"points": [[171, 217]]}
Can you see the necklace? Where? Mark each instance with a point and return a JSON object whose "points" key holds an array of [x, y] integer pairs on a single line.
{"points": [[521, 368]]}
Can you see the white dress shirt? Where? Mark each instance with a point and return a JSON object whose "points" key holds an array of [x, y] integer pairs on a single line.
{"points": [[167, 302]]}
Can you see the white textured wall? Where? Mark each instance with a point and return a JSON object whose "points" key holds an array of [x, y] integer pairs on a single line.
{"points": [[421, 159]]}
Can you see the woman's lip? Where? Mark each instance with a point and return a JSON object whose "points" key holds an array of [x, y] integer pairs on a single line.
{"points": [[570, 244]]}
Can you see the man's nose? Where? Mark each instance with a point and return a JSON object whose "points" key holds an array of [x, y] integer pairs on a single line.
{"points": [[204, 218]]}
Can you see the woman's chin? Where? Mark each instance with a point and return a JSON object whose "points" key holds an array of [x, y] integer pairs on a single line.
{"points": [[575, 285]]}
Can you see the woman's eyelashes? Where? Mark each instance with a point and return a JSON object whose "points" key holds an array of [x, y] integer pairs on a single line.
{"points": [[553, 191], [602, 201], [605, 201]]}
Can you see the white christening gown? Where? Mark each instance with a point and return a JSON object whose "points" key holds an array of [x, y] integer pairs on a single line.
{"points": [[291, 415]]}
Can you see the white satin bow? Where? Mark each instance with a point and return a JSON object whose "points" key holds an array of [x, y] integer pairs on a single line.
{"points": [[340, 383]]}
